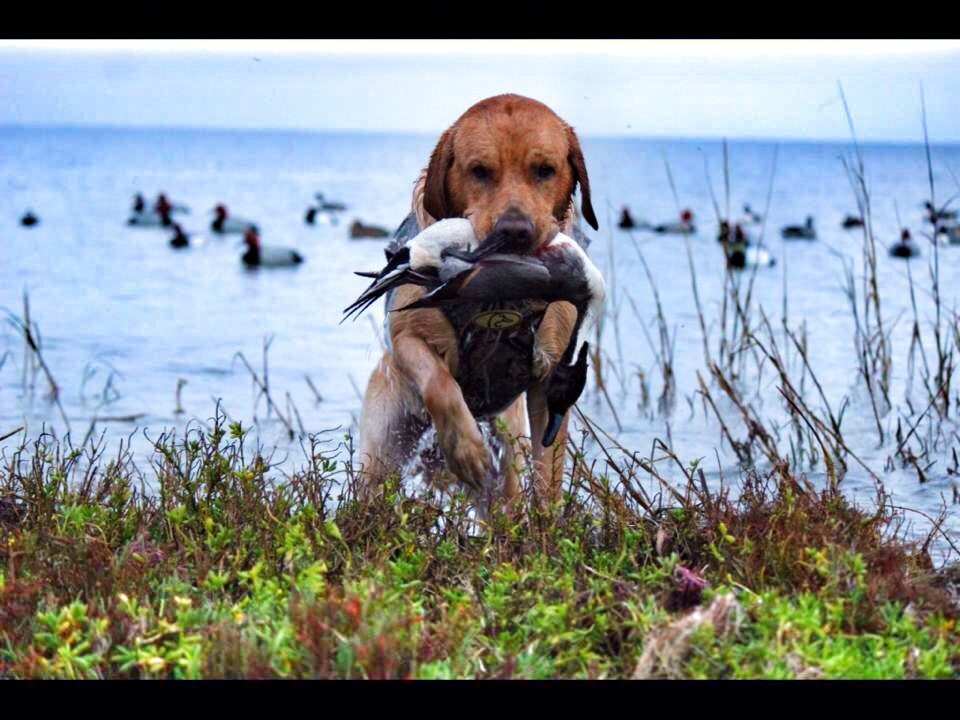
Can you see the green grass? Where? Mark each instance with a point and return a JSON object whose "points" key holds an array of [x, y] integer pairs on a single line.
{"points": [[228, 570]]}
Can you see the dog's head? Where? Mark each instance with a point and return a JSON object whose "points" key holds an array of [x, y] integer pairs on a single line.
{"points": [[511, 166]]}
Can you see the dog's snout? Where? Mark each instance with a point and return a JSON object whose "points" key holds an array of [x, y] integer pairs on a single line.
{"points": [[515, 227]]}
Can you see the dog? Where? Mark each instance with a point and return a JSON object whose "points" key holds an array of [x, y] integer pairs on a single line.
{"points": [[511, 166]]}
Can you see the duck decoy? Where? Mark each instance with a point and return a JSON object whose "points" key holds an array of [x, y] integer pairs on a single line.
{"points": [[225, 224], [150, 218], [29, 219], [179, 239], [938, 214], [684, 227], [740, 252], [852, 221], [259, 256], [329, 205], [359, 230], [800, 232], [904, 247], [442, 260], [952, 232]]}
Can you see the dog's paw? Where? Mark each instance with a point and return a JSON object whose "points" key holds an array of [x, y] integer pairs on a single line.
{"points": [[470, 461]]}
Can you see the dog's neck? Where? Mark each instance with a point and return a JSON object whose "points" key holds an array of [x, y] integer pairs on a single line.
{"points": [[425, 219]]}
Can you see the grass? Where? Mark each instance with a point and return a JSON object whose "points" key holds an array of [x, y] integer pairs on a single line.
{"points": [[226, 569]]}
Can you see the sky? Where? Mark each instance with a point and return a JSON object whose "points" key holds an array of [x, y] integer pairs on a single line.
{"points": [[764, 89]]}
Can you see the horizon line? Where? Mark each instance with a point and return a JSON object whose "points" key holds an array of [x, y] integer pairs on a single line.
{"points": [[433, 133]]}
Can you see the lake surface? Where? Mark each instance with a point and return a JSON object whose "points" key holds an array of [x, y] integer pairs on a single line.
{"points": [[117, 303]]}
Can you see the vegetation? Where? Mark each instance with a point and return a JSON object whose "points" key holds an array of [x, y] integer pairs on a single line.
{"points": [[223, 569]]}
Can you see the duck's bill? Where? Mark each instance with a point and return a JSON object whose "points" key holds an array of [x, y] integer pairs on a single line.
{"points": [[553, 427]]}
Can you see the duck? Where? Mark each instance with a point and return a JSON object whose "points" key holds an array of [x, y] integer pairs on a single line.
{"points": [[935, 215], [684, 227], [952, 232], [328, 205], [801, 232], [150, 218], [852, 221], [259, 256], [442, 260], [226, 224], [359, 230], [740, 252], [904, 247], [179, 239], [29, 219], [750, 216]]}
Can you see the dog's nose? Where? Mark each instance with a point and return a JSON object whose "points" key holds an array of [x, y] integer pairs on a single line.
{"points": [[515, 227]]}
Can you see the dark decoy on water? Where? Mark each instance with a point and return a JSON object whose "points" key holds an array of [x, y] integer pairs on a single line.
{"points": [[684, 227], [179, 239], [29, 219], [311, 217], [852, 221], [905, 247], [359, 230], [442, 260], [329, 205], [800, 232], [258, 256], [626, 219]]}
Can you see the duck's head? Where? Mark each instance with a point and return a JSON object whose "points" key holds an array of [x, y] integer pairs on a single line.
{"points": [[687, 215], [905, 235], [251, 236], [563, 389], [220, 210]]}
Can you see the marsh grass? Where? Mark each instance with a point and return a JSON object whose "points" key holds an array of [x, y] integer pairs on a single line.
{"points": [[228, 568]]}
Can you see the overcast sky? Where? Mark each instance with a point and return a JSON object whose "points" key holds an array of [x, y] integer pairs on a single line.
{"points": [[704, 88]]}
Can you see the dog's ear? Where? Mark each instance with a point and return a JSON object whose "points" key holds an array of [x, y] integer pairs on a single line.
{"points": [[435, 200], [575, 159]]}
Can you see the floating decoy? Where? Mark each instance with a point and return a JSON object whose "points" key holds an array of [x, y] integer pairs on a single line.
{"points": [[800, 232], [938, 214], [684, 227], [311, 217], [905, 247], [739, 250], [179, 239], [442, 260], [359, 230], [952, 232], [328, 205], [150, 218], [259, 256], [852, 221], [225, 224], [29, 219]]}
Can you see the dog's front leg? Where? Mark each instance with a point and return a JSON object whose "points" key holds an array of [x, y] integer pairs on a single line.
{"points": [[457, 431]]}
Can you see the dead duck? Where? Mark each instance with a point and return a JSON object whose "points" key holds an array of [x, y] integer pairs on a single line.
{"points": [[258, 256], [179, 239], [442, 259], [29, 219], [359, 230], [799, 232], [852, 221], [905, 247], [684, 227], [226, 224]]}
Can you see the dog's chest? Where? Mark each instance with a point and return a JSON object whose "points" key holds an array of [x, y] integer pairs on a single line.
{"points": [[495, 343]]}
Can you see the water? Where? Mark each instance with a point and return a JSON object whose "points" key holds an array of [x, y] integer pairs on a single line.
{"points": [[115, 302]]}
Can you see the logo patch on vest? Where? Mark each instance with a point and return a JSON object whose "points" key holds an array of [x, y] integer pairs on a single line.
{"points": [[497, 319]]}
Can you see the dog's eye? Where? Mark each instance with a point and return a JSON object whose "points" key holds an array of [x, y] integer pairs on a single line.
{"points": [[479, 172], [545, 172]]}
